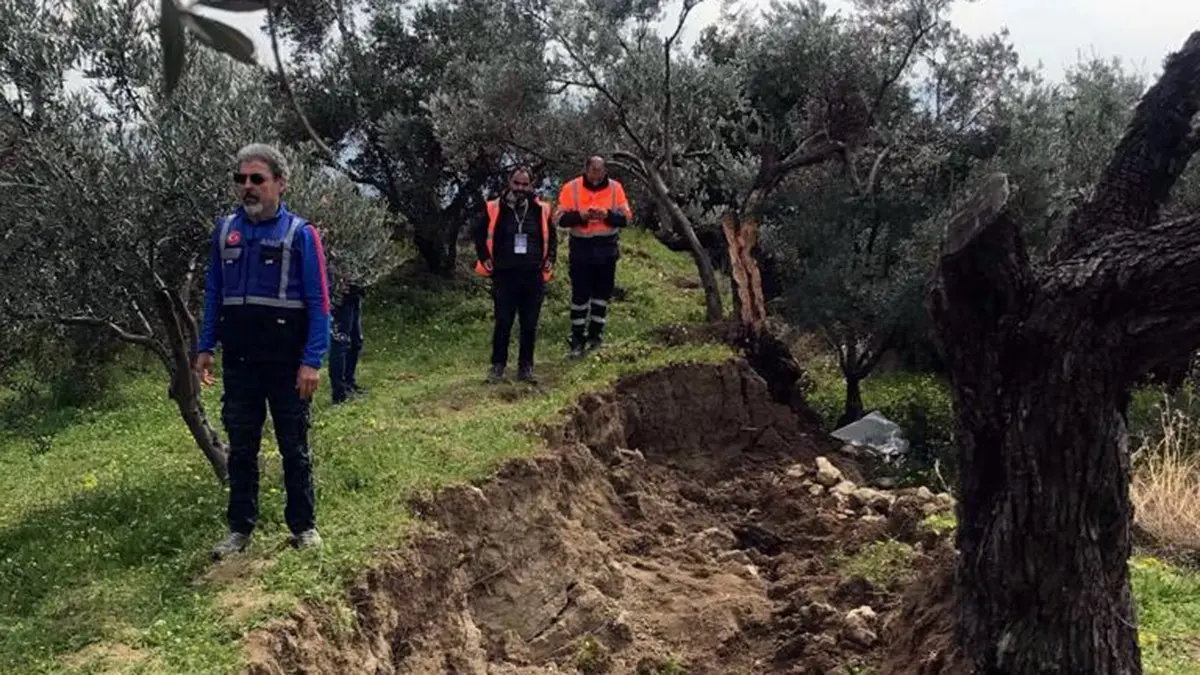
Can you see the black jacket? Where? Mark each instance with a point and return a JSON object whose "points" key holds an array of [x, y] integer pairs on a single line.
{"points": [[595, 249], [507, 226]]}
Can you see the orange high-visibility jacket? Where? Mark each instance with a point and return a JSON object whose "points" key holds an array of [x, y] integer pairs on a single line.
{"points": [[493, 213], [575, 197]]}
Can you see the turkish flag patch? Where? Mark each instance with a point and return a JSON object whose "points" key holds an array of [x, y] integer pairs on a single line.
{"points": [[234, 238]]}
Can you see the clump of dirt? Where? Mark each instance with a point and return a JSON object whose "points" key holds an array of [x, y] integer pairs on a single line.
{"points": [[920, 637], [684, 522]]}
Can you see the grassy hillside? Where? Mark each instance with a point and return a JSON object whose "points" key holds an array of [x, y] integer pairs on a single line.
{"points": [[106, 515]]}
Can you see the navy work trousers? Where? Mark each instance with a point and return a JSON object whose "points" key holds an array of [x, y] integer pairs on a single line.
{"points": [[345, 347], [250, 389]]}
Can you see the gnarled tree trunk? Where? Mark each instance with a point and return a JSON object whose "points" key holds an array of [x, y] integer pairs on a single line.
{"points": [[765, 352], [1041, 362], [181, 336], [185, 391], [853, 410]]}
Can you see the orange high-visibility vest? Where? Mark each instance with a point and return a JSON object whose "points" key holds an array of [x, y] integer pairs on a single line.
{"points": [[493, 211], [574, 197]]}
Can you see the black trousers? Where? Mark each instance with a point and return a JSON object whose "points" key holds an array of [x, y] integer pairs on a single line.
{"points": [[516, 294], [344, 347], [591, 289], [250, 388]]}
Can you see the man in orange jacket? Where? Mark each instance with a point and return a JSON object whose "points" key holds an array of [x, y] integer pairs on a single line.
{"points": [[516, 246], [593, 208]]}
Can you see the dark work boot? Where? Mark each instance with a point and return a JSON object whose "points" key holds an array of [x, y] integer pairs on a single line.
{"points": [[576, 345], [496, 374], [595, 339], [235, 542], [525, 373]]}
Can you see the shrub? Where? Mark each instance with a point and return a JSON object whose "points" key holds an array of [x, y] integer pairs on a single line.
{"points": [[1166, 483]]}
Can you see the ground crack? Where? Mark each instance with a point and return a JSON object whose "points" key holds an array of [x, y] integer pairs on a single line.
{"points": [[559, 615]]}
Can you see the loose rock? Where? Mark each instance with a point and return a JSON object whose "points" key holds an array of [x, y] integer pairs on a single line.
{"points": [[879, 501], [714, 540], [860, 625], [628, 455], [828, 474], [816, 615]]}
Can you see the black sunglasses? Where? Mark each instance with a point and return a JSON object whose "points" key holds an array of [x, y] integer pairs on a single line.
{"points": [[255, 178]]}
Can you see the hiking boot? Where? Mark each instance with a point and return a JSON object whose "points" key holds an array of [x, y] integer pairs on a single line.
{"points": [[525, 374], [236, 542], [355, 390], [594, 343], [308, 539], [576, 352], [496, 374]]}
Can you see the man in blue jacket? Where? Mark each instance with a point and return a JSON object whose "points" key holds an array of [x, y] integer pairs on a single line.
{"points": [[266, 302]]}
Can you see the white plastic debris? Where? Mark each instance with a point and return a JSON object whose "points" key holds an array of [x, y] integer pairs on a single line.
{"points": [[876, 433]]}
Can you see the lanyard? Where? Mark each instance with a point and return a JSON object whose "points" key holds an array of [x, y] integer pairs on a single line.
{"points": [[521, 217]]}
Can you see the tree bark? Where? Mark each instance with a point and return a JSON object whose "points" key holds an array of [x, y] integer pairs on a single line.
{"points": [[1044, 508], [185, 391], [429, 247], [1041, 362], [853, 410], [184, 386], [742, 237]]}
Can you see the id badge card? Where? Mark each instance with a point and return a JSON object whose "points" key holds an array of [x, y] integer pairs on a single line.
{"points": [[521, 244]]}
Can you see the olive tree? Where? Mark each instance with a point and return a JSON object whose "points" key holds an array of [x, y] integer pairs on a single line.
{"points": [[1041, 357], [120, 186], [365, 79]]}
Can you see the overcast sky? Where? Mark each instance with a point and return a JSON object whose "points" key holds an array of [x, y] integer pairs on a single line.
{"points": [[1054, 32]]}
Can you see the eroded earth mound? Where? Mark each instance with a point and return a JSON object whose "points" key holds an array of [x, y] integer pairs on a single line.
{"points": [[682, 522]]}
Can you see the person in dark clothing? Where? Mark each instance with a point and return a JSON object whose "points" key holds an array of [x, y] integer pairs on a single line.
{"points": [[266, 303], [346, 345], [593, 207], [516, 247]]}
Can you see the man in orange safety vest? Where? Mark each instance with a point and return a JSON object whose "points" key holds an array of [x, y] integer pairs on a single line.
{"points": [[516, 247], [593, 208]]}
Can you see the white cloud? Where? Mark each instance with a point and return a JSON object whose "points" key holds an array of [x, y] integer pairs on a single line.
{"points": [[1057, 32], [1054, 32]]}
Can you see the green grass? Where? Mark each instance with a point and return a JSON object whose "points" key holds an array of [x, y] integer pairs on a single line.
{"points": [[1168, 600], [1167, 596], [885, 564], [106, 520]]}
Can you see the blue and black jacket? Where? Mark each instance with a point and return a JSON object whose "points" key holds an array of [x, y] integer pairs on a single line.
{"points": [[266, 295]]}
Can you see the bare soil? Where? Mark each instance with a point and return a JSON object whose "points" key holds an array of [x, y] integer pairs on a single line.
{"points": [[676, 526]]}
